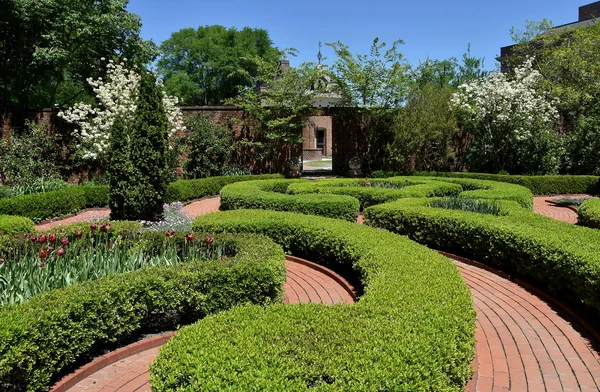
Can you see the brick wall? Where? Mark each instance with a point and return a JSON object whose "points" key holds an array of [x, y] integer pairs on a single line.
{"points": [[589, 11]]}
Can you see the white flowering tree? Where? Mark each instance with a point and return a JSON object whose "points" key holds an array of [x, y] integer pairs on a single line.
{"points": [[512, 124], [116, 97]]}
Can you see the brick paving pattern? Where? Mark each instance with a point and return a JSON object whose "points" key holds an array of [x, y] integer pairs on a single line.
{"points": [[522, 343], [542, 206]]}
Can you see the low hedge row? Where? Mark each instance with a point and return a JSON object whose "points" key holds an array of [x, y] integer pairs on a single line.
{"points": [[413, 330], [271, 195], [51, 331], [185, 190], [539, 185], [562, 257], [589, 213], [10, 224], [371, 192], [42, 206]]}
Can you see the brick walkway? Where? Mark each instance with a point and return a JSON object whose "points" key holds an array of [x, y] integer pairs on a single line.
{"points": [[542, 206], [522, 343]]}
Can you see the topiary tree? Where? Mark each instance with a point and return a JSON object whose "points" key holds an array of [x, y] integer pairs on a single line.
{"points": [[138, 169]]}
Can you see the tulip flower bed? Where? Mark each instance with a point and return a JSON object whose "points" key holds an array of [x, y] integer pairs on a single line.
{"points": [[52, 331], [38, 264]]}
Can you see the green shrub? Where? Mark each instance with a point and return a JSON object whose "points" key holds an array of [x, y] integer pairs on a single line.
{"points": [[412, 330], [51, 331], [138, 168], [589, 213], [467, 204], [270, 195], [37, 185], [185, 190], [539, 185], [15, 224], [95, 195], [41, 206], [378, 192], [563, 258]]}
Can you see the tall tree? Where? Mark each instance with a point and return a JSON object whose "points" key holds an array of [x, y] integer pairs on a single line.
{"points": [[374, 84], [49, 48], [205, 66]]}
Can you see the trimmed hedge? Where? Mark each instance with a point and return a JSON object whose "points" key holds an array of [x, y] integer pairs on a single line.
{"points": [[185, 190], [270, 195], [368, 196], [589, 213], [412, 330], [42, 206], [539, 185], [562, 257], [52, 330], [10, 224]]}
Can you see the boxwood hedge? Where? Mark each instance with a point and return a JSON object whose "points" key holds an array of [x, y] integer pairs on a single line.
{"points": [[413, 329], [563, 258], [42, 206], [10, 224], [589, 213], [271, 195], [52, 330], [539, 185]]}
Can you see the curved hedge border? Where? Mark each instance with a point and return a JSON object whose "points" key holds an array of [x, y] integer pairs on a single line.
{"points": [[539, 185], [589, 213], [368, 196], [42, 206], [52, 330], [271, 195], [10, 224], [412, 330], [563, 257]]}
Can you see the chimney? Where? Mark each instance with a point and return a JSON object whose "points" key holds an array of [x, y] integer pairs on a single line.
{"points": [[284, 65], [589, 11]]}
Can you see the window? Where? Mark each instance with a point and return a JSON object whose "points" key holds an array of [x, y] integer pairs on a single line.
{"points": [[320, 137]]}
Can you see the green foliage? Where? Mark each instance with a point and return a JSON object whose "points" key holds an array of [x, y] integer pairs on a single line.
{"points": [[533, 29], [271, 195], [583, 144], [589, 213], [186, 190], [467, 204], [207, 66], [51, 47], [139, 171], [560, 257], [426, 131], [38, 185], [10, 224], [412, 329], [41, 206], [277, 107], [539, 185], [375, 85], [53, 330], [208, 147], [28, 156]]}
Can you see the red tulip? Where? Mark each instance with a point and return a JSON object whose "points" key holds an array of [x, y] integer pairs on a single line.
{"points": [[43, 253], [93, 226], [104, 228], [42, 238], [64, 241], [61, 252], [209, 240], [78, 234], [189, 237], [33, 238], [52, 237]]}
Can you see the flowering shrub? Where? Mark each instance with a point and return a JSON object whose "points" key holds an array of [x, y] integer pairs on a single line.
{"points": [[117, 97], [511, 122]]}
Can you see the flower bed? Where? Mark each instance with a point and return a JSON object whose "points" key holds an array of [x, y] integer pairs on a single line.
{"points": [[412, 330], [52, 330]]}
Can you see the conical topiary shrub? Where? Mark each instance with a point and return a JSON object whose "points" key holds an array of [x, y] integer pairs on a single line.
{"points": [[138, 168]]}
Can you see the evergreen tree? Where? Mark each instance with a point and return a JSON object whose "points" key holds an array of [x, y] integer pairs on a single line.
{"points": [[139, 171]]}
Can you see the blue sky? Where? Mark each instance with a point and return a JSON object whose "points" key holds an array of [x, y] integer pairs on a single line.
{"points": [[435, 29]]}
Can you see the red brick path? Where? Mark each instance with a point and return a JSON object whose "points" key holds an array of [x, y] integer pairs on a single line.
{"points": [[543, 207], [522, 343]]}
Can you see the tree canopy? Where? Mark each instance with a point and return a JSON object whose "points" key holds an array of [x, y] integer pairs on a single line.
{"points": [[49, 48], [205, 66]]}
